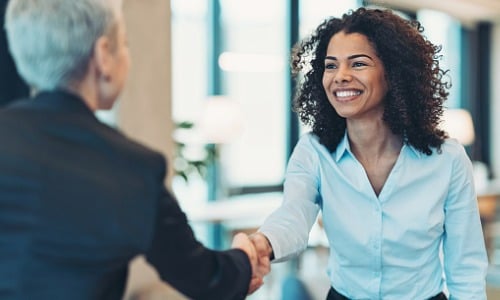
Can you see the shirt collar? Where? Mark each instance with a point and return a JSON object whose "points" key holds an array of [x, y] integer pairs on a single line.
{"points": [[344, 147], [417, 153]]}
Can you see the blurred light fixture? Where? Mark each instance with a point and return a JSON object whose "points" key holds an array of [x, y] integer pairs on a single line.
{"points": [[221, 120], [246, 62], [458, 124]]}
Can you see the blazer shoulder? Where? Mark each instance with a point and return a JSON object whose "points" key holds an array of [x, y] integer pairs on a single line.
{"points": [[133, 149]]}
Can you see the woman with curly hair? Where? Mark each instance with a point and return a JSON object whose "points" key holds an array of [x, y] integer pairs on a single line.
{"points": [[393, 189]]}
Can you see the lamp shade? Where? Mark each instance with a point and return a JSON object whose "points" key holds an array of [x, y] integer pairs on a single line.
{"points": [[458, 124]]}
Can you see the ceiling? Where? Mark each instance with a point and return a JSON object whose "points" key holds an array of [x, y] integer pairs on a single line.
{"points": [[467, 11]]}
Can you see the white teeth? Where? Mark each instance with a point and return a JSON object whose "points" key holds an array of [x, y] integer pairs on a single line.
{"points": [[347, 93]]}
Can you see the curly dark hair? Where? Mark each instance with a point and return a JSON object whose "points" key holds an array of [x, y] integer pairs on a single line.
{"points": [[417, 89]]}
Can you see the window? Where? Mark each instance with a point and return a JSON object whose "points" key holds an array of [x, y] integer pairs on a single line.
{"points": [[441, 29], [253, 64], [189, 58]]}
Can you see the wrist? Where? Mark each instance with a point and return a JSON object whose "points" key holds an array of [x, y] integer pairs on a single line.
{"points": [[269, 248], [263, 240]]}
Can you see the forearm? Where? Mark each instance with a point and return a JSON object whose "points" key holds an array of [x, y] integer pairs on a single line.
{"points": [[287, 231], [193, 269]]}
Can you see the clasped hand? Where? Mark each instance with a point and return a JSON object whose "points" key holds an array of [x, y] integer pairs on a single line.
{"points": [[258, 250]]}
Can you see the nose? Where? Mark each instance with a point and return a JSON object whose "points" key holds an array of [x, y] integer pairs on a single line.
{"points": [[343, 74]]}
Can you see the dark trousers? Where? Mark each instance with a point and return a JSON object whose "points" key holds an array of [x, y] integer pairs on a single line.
{"points": [[334, 295]]}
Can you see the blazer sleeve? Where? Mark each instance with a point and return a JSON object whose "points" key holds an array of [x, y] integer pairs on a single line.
{"points": [[182, 261]]}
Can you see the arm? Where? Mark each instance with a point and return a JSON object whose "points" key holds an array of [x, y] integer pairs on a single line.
{"points": [[287, 228], [194, 270], [465, 259]]}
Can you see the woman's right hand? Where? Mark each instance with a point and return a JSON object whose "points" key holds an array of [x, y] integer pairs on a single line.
{"points": [[262, 245]]}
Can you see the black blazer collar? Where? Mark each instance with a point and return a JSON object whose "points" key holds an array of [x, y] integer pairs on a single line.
{"points": [[61, 100]]}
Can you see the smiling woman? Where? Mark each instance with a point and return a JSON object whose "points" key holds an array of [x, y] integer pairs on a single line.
{"points": [[391, 187], [354, 79]]}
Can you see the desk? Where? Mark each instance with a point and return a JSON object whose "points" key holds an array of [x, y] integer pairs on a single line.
{"points": [[246, 213], [239, 213], [247, 208]]}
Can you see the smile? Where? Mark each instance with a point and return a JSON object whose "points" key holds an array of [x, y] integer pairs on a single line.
{"points": [[344, 94]]}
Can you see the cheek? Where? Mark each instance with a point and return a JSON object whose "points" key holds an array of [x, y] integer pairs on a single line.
{"points": [[383, 86], [126, 55], [326, 81], [125, 62]]}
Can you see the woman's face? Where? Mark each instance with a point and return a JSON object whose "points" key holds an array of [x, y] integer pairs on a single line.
{"points": [[354, 77]]}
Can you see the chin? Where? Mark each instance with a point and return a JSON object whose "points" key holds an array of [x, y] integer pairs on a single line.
{"points": [[106, 104]]}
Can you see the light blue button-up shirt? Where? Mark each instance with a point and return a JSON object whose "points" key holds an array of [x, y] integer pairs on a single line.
{"points": [[386, 247]]}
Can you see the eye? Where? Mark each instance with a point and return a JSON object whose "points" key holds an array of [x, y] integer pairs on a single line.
{"points": [[330, 66], [358, 64]]}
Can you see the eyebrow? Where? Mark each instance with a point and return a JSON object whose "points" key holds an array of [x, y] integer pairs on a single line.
{"points": [[349, 57]]}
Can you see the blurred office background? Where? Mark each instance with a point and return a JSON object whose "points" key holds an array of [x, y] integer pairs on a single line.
{"points": [[210, 87], [240, 50]]}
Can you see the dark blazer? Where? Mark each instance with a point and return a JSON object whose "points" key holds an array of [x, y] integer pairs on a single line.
{"points": [[79, 200]]}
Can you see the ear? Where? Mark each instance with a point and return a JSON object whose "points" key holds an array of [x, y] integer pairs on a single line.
{"points": [[103, 56]]}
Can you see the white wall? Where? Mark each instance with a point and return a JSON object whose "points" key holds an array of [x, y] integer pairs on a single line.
{"points": [[144, 110]]}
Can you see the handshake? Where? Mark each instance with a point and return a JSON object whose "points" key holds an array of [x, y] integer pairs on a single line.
{"points": [[259, 251]]}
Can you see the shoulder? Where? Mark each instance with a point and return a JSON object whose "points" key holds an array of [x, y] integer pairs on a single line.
{"points": [[15, 106], [308, 152], [310, 143], [309, 140], [77, 127], [15, 118], [452, 154], [131, 150], [453, 149], [450, 148]]}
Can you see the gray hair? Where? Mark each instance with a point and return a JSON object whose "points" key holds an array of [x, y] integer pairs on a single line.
{"points": [[52, 41]]}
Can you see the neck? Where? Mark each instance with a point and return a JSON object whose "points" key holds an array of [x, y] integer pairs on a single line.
{"points": [[86, 90], [372, 140]]}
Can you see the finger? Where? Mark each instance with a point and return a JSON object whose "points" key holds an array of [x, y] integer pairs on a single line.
{"points": [[264, 267], [255, 284]]}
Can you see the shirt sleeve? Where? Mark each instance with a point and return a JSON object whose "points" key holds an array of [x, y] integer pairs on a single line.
{"points": [[287, 228], [465, 259]]}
